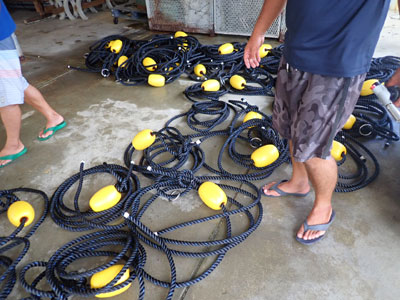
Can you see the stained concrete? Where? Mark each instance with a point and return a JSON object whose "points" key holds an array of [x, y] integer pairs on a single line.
{"points": [[358, 259]]}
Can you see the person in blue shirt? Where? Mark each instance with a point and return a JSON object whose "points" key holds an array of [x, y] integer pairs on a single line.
{"points": [[327, 52], [14, 90]]}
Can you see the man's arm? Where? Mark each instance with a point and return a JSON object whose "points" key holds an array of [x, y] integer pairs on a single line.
{"points": [[269, 12]]}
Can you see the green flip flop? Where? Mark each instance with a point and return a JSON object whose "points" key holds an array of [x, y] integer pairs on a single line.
{"points": [[54, 129], [12, 157]]}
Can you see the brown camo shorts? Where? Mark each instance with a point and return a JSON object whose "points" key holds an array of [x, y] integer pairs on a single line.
{"points": [[310, 109]]}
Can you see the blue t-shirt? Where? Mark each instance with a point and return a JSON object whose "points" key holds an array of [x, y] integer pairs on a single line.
{"points": [[7, 25], [333, 37]]}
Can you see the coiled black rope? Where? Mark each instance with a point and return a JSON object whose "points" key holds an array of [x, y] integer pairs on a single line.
{"points": [[361, 156], [170, 151], [9, 244], [383, 68], [261, 83], [72, 217], [270, 63], [102, 59], [196, 92], [183, 182], [74, 282], [205, 116], [372, 120]]}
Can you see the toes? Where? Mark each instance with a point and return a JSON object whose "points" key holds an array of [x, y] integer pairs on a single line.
{"points": [[300, 233], [4, 162], [313, 234], [45, 135], [309, 234], [267, 191], [319, 233]]}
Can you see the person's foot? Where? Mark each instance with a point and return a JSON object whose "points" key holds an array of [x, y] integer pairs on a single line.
{"points": [[288, 187], [317, 216], [10, 150], [57, 119]]}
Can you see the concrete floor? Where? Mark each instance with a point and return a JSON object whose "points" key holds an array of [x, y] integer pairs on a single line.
{"points": [[358, 259]]}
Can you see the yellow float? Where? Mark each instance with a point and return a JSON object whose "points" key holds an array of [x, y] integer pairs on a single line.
{"points": [[156, 80], [212, 195], [225, 49], [350, 122], [143, 139], [211, 85], [265, 156], [102, 278], [338, 150], [237, 82], [20, 210], [104, 198]]}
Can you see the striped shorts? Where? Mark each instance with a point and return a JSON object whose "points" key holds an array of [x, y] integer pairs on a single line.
{"points": [[12, 83], [310, 109]]}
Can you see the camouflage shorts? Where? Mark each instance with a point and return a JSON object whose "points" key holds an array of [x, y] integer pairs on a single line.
{"points": [[310, 109]]}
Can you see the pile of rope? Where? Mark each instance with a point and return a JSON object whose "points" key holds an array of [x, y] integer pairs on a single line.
{"points": [[135, 62], [177, 166], [172, 162]]}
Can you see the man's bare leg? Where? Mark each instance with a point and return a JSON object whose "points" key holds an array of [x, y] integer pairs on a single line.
{"points": [[298, 183], [34, 97], [395, 80], [323, 174], [11, 117]]}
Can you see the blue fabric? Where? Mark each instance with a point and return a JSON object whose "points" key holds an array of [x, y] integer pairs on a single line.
{"points": [[7, 44], [7, 25], [333, 37]]}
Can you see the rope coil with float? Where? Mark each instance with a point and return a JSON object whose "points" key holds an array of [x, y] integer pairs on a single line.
{"points": [[20, 214], [105, 205]]}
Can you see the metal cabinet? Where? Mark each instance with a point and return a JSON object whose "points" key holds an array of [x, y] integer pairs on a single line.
{"points": [[235, 17]]}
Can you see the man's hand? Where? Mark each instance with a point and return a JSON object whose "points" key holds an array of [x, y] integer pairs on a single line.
{"points": [[251, 55], [397, 103]]}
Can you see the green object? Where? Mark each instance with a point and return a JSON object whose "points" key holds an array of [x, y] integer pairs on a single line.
{"points": [[54, 129], [13, 157]]}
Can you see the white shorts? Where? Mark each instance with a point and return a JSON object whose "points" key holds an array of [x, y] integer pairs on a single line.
{"points": [[12, 83]]}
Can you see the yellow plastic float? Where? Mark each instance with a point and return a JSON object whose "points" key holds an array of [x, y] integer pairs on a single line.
{"points": [[105, 198], [200, 70], [212, 195], [116, 46], [264, 50], [20, 210], [156, 80], [143, 139], [211, 85], [252, 115], [237, 82], [102, 278], [265, 156], [180, 34], [350, 122], [366, 88], [225, 49], [338, 150], [121, 60], [149, 63]]}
